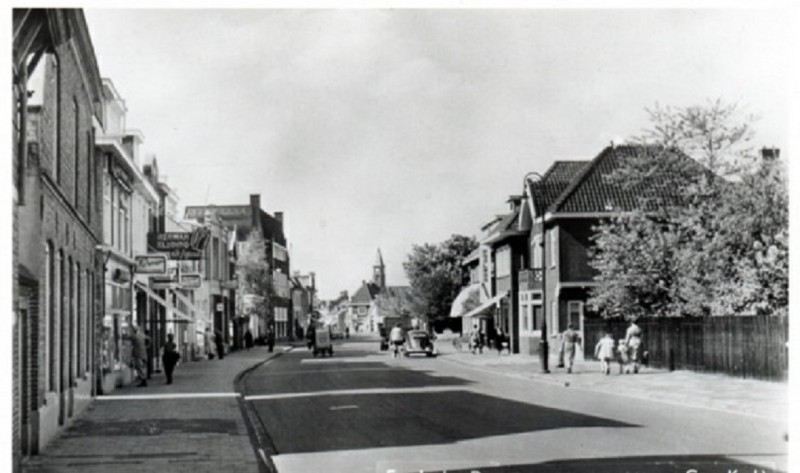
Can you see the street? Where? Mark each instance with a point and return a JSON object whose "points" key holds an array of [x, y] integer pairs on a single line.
{"points": [[362, 410]]}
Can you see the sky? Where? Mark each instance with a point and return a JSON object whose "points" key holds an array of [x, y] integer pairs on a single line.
{"points": [[387, 128]]}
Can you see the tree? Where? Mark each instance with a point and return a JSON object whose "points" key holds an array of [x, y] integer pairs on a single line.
{"points": [[435, 275], [253, 274], [716, 243]]}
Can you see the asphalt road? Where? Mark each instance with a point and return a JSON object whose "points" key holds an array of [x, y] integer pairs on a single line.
{"points": [[363, 411]]}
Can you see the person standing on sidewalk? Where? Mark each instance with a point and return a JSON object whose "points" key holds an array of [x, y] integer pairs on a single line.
{"points": [[633, 342], [270, 338], [604, 351], [220, 343], [170, 357], [570, 341], [248, 339], [139, 355]]}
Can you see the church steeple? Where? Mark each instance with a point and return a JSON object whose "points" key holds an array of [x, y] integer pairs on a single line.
{"points": [[379, 272]]}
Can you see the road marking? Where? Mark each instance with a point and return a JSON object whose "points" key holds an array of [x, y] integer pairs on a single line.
{"points": [[339, 408], [348, 392], [153, 397], [296, 372]]}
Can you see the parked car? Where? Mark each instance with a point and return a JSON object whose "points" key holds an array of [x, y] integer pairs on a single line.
{"points": [[419, 342]]}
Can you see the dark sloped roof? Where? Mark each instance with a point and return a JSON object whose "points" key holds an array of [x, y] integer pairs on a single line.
{"points": [[365, 294], [595, 190], [553, 182]]}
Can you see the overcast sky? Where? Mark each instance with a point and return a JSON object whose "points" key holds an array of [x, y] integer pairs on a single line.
{"points": [[387, 128]]}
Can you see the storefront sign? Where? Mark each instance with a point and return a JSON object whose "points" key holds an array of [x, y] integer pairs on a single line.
{"points": [[163, 282], [190, 281], [180, 245], [230, 284], [151, 264], [220, 307]]}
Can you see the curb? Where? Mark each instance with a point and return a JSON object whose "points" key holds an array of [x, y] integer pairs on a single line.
{"points": [[255, 427]]}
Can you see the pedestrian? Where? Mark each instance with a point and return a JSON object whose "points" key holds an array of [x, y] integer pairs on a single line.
{"points": [[604, 351], [248, 339], [170, 357], [633, 343], [220, 344], [139, 354], [570, 341], [397, 338], [209, 344], [499, 340], [347, 332], [622, 355], [311, 334], [477, 339], [270, 338]]}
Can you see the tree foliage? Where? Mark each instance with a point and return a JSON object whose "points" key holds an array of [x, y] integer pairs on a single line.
{"points": [[435, 275], [721, 247], [253, 275]]}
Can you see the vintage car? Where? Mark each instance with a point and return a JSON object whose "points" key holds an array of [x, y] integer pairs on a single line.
{"points": [[419, 342]]}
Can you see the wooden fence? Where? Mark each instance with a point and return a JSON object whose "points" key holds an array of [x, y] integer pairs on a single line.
{"points": [[746, 347]]}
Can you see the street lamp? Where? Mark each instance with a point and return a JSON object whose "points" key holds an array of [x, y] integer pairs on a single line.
{"points": [[544, 349]]}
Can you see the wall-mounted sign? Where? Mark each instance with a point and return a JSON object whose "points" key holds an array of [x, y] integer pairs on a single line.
{"points": [[230, 284], [151, 264], [220, 307], [180, 245], [162, 282], [190, 281]]}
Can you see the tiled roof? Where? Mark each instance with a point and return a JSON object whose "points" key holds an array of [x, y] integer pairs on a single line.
{"points": [[365, 294], [553, 183], [594, 189]]}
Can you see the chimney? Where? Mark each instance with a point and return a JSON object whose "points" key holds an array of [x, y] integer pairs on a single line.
{"points": [[279, 216], [255, 208]]}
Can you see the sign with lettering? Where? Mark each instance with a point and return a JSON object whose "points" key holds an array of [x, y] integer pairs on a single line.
{"points": [[151, 264], [190, 281], [229, 284], [162, 282], [181, 245]]}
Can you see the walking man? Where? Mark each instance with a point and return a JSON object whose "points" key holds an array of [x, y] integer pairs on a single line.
{"points": [[139, 355], [570, 341], [633, 341]]}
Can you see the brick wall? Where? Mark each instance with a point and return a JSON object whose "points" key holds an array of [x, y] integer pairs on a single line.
{"points": [[56, 209]]}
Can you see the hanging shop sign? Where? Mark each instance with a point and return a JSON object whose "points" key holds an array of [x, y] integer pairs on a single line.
{"points": [[151, 264], [190, 281], [168, 281], [180, 245]]}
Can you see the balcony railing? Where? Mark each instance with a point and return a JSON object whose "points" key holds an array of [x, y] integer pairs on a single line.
{"points": [[530, 279]]}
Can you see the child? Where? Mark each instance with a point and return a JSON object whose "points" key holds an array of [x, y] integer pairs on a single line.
{"points": [[622, 349], [604, 351]]}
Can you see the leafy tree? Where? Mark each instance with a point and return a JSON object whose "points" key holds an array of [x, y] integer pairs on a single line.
{"points": [[253, 274], [711, 241], [435, 275]]}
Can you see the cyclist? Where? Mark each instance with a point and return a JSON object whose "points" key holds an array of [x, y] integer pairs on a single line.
{"points": [[396, 338]]}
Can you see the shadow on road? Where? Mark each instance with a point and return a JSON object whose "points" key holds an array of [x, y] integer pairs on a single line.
{"points": [[643, 464], [359, 421]]}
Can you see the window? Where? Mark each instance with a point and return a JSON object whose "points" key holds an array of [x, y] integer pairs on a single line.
{"points": [[525, 321], [77, 146], [107, 216], [79, 302], [553, 247], [89, 175], [503, 262], [536, 252], [50, 301], [485, 263], [575, 313], [54, 84]]}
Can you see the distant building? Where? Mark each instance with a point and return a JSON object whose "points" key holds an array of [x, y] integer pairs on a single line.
{"points": [[244, 219], [364, 313]]}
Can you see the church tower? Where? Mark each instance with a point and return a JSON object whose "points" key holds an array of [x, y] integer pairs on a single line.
{"points": [[379, 272]]}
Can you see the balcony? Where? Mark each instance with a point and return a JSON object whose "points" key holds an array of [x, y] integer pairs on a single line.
{"points": [[530, 279]]}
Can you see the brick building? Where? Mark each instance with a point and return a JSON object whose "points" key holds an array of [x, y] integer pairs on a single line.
{"points": [[58, 272]]}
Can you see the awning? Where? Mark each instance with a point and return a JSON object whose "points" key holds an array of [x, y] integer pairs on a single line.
{"points": [[160, 300], [490, 304], [457, 308]]}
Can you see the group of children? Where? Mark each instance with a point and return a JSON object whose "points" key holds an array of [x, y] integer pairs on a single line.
{"points": [[626, 352]]}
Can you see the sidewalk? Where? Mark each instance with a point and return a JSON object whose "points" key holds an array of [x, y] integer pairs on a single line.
{"points": [[763, 399], [193, 425]]}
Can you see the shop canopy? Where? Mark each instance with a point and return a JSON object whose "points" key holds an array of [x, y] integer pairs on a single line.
{"points": [[486, 306], [471, 291], [181, 317]]}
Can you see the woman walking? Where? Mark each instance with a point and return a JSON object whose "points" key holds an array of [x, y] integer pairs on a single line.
{"points": [[170, 357]]}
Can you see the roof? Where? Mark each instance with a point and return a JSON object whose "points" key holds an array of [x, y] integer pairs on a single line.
{"points": [[365, 294], [240, 217], [554, 182], [593, 190]]}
